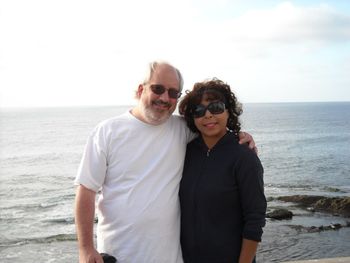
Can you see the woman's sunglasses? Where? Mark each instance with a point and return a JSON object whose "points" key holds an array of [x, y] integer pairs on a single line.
{"points": [[159, 89], [216, 107]]}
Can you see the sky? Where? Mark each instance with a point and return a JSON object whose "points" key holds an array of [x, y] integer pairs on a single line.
{"points": [[85, 53]]}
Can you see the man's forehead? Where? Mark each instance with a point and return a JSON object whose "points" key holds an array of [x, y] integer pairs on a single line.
{"points": [[166, 75]]}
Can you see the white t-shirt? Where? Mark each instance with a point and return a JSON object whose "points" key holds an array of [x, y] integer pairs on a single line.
{"points": [[138, 168]]}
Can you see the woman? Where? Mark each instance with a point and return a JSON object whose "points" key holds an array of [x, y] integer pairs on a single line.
{"points": [[221, 192]]}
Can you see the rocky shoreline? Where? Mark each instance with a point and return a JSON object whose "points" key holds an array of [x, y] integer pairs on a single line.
{"points": [[337, 206], [313, 229]]}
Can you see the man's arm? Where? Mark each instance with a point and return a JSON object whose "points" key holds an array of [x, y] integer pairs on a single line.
{"points": [[245, 137], [248, 251], [84, 222]]}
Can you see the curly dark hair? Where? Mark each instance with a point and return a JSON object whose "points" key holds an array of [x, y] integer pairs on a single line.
{"points": [[215, 90]]}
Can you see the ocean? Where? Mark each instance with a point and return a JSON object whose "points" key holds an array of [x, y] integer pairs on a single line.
{"points": [[304, 148]]}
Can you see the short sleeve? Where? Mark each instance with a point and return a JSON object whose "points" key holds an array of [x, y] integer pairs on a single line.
{"points": [[93, 166]]}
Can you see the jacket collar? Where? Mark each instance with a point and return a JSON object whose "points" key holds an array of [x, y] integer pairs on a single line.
{"points": [[228, 137]]}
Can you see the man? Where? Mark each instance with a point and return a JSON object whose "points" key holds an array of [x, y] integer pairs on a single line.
{"points": [[136, 161]]}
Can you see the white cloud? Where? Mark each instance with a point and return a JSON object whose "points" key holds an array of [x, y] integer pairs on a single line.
{"points": [[84, 52], [289, 23], [287, 53]]}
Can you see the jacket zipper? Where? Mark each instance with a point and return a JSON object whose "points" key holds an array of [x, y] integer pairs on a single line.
{"points": [[208, 152]]}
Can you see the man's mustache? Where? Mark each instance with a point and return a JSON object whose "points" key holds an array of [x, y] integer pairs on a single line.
{"points": [[162, 103]]}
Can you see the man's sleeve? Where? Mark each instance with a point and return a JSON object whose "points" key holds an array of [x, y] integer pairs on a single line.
{"points": [[93, 166]]}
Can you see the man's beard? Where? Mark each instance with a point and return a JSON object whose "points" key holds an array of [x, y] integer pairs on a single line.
{"points": [[154, 117]]}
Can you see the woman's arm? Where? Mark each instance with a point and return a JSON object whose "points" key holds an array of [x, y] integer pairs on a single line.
{"points": [[253, 203], [248, 251]]}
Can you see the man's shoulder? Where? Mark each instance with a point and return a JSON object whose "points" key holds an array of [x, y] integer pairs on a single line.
{"points": [[112, 124], [177, 119], [124, 117]]}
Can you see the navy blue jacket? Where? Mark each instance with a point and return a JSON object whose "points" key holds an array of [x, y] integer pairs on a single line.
{"points": [[222, 200]]}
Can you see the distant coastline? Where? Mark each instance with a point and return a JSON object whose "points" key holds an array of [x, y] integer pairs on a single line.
{"points": [[131, 105]]}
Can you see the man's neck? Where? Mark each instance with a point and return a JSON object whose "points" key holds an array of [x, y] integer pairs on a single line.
{"points": [[138, 114]]}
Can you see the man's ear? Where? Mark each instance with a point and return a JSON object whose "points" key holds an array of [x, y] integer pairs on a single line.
{"points": [[139, 91]]}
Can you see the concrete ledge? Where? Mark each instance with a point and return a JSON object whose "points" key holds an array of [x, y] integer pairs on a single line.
{"points": [[324, 260]]}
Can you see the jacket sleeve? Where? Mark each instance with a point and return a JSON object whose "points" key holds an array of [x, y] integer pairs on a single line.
{"points": [[251, 191]]}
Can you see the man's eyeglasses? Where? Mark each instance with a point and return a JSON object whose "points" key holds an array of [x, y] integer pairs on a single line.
{"points": [[159, 89], [216, 107]]}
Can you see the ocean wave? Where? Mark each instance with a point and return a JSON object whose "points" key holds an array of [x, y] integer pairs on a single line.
{"points": [[20, 207], [69, 220], [38, 240], [49, 159], [48, 203], [298, 186], [26, 207], [57, 200], [331, 189]]}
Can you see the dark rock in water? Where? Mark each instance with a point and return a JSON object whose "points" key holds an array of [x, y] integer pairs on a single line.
{"points": [[280, 214], [311, 209], [303, 200], [315, 229], [335, 226], [335, 205], [269, 199], [332, 189], [297, 227]]}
